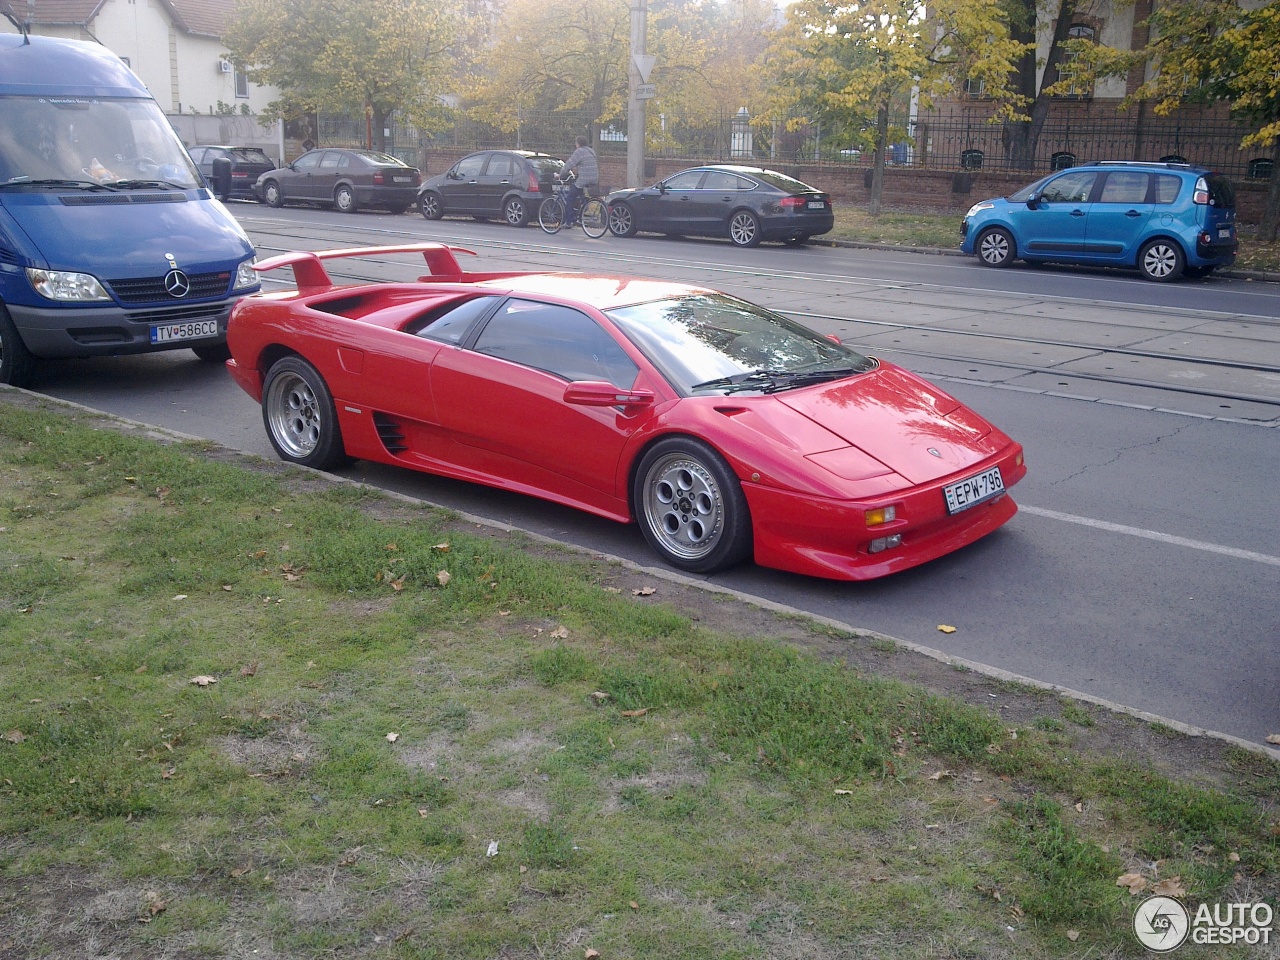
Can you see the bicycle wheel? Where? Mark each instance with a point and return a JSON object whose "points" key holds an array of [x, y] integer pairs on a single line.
{"points": [[595, 218], [551, 215]]}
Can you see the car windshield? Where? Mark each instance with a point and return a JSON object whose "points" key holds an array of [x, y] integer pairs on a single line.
{"points": [[712, 343], [90, 140], [1023, 195]]}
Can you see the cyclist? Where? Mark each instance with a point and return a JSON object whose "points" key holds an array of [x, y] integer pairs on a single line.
{"points": [[586, 171]]}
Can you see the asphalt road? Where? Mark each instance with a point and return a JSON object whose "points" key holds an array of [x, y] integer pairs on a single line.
{"points": [[1143, 567]]}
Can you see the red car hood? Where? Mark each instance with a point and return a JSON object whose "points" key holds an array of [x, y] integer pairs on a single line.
{"points": [[906, 423]]}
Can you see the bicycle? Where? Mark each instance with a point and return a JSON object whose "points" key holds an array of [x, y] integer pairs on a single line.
{"points": [[593, 214]]}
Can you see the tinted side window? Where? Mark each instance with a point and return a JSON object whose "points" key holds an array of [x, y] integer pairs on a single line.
{"points": [[1124, 187], [556, 339], [1166, 188], [684, 181], [1069, 188], [197, 154], [450, 324], [720, 180], [469, 167], [330, 160], [501, 165], [308, 161]]}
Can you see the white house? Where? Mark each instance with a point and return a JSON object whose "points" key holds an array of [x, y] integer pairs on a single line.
{"points": [[175, 48]]}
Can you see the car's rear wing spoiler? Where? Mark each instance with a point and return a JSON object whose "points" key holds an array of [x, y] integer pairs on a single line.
{"points": [[310, 275]]}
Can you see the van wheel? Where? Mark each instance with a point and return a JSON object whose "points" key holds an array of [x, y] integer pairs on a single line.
{"points": [[995, 247], [1161, 260], [271, 193], [344, 199], [17, 363]]}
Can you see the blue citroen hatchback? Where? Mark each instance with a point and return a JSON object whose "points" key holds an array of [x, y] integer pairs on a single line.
{"points": [[1166, 219]]}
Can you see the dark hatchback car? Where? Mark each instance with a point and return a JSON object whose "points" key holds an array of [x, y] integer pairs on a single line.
{"points": [[247, 164], [745, 204], [344, 179], [491, 184]]}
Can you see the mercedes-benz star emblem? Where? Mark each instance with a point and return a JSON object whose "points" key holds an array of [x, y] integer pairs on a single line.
{"points": [[176, 284]]}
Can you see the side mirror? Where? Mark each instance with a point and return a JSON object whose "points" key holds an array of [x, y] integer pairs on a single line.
{"points": [[222, 178], [1033, 200], [598, 393]]}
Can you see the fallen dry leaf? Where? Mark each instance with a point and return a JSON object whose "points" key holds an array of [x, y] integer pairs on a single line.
{"points": [[644, 591], [442, 547], [1273, 738], [560, 633], [844, 793], [180, 596], [1136, 883], [392, 737], [599, 696], [1073, 935], [1171, 887], [1233, 857], [635, 713], [633, 905], [946, 628], [590, 954], [241, 870], [943, 775], [249, 669], [203, 680], [15, 736], [444, 576]]}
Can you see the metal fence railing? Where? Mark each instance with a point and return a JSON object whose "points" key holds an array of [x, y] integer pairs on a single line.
{"points": [[929, 141]]}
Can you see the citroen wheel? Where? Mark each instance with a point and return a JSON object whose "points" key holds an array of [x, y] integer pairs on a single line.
{"points": [[1161, 260], [995, 247]]}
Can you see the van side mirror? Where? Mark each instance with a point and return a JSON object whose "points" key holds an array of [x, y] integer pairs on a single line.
{"points": [[222, 178]]}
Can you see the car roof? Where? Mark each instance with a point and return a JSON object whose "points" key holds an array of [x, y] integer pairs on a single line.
{"points": [[603, 293], [1145, 164]]}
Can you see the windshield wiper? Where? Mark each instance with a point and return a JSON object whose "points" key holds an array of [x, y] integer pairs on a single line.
{"points": [[134, 184], [78, 184], [771, 381]]}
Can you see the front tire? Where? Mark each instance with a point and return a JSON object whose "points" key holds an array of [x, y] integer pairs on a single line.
{"points": [[17, 363], [300, 416], [345, 199], [1161, 260], [690, 506], [431, 206], [551, 215], [995, 247], [744, 229], [271, 193], [515, 212], [622, 222]]}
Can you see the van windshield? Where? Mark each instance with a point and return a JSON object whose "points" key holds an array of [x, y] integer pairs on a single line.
{"points": [[88, 139]]}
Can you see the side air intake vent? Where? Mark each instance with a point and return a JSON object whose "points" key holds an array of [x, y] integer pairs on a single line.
{"points": [[389, 433]]}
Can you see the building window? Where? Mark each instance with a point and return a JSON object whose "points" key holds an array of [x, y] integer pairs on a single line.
{"points": [[971, 159], [1260, 168], [1062, 160], [242, 85], [1067, 67], [975, 89]]}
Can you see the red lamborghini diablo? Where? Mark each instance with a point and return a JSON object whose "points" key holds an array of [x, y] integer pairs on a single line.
{"points": [[725, 430]]}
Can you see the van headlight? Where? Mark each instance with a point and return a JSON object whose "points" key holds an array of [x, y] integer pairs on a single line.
{"points": [[64, 285], [246, 276], [984, 205]]}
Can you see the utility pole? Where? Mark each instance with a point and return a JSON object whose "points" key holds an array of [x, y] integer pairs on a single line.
{"points": [[637, 75]]}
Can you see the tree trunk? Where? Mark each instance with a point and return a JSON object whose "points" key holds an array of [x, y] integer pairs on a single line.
{"points": [[1270, 224], [877, 169], [1022, 137]]}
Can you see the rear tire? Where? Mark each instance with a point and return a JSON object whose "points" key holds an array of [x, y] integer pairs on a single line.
{"points": [[17, 363], [515, 212], [1161, 261], [595, 219], [744, 229], [272, 195], [300, 416], [397, 208], [344, 199], [995, 247]]}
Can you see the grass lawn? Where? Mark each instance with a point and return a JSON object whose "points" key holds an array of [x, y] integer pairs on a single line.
{"points": [[255, 714], [915, 229]]}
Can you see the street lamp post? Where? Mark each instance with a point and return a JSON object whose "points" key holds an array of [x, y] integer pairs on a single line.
{"points": [[635, 105]]}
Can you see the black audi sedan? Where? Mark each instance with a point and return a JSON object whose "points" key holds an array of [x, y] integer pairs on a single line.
{"points": [[343, 179], [490, 185], [745, 204]]}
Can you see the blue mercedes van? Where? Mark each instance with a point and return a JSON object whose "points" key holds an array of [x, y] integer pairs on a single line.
{"points": [[110, 240]]}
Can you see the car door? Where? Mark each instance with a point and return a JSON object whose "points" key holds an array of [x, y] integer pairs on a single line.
{"points": [[719, 193], [669, 205], [1054, 223], [1118, 219], [296, 183], [461, 185], [321, 183], [500, 173], [503, 399]]}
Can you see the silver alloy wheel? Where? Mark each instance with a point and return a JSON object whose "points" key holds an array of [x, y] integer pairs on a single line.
{"points": [[683, 506], [515, 212], [1159, 260], [429, 205], [994, 249], [293, 412], [621, 222], [744, 229]]}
